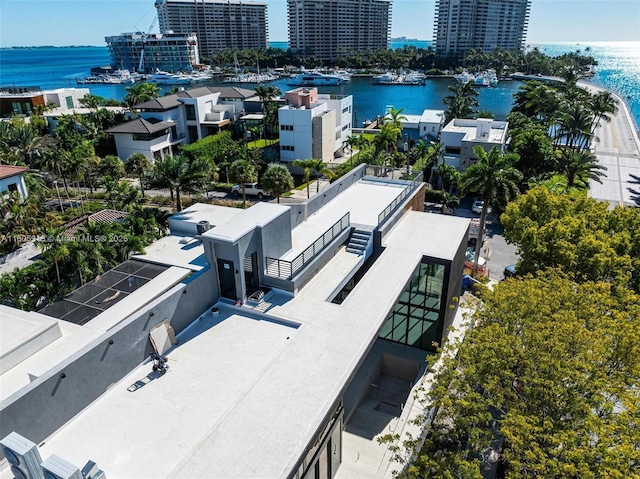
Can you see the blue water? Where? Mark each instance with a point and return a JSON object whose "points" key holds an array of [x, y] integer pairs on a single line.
{"points": [[618, 70]]}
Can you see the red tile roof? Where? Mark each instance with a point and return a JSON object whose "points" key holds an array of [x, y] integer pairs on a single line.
{"points": [[7, 171]]}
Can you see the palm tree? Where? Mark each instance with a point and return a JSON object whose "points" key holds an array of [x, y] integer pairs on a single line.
{"points": [[137, 165], [54, 247], [579, 167], [387, 139], [180, 174], [602, 105], [277, 180], [306, 168], [140, 93], [243, 171], [320, 168], [495, 179], [463, 102], [574, 126], [266, 94], [395, 117]]}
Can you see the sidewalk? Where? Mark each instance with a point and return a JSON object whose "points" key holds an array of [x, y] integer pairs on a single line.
{"points": [[313, 187]]}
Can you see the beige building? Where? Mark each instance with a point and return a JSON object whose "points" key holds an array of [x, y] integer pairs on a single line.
{"points": [[329, 29], [461, 25], [219, 24]]}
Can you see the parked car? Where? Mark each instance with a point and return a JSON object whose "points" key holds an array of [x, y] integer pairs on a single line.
{"points": [[250, 189], [478, 203], [510, 271]]}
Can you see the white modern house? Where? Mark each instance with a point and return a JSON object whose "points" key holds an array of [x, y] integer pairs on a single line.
{"points": [[295, 335], [185, 117], [22, 101], [426, 126], [460, 136], [314, 125], [11, 180]]}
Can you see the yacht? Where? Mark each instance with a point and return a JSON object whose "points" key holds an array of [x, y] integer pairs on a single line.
{"points": [[317, 79], [465, 77], [388, 78], [166, 78]]}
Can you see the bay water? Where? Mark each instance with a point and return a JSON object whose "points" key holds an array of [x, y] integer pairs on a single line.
{"points": [[618, 70]]}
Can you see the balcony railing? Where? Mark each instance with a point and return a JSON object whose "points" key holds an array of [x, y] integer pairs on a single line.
{"points": [[382, 217], [283, 269]]}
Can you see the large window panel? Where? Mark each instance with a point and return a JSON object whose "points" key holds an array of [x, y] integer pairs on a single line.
{"points": [[414, 320]]}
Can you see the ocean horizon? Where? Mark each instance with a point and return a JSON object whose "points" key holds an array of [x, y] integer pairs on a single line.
{"points": [[56, 67]]}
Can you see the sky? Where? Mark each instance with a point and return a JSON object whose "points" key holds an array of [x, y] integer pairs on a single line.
{"points": [[87, 22]]}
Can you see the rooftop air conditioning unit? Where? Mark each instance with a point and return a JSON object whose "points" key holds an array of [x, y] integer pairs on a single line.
{"points": [[57, 468], [23, 456], [91, 471], [203, 226]]}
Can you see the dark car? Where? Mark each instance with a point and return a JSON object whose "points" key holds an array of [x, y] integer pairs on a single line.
{"points": [[510, 271]]}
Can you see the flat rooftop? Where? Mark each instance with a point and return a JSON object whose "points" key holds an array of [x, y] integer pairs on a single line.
{"points": [[364, 200], [246, 392]]}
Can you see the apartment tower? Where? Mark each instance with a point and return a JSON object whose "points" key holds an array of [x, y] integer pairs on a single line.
{"points": [[461, 25], [329, 29], [219, 24]]}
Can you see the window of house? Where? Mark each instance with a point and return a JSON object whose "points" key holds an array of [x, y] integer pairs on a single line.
{"points": [[452, 149], [286, 127], [287, 148], [191, 112], [69, 102], [12, 187]]}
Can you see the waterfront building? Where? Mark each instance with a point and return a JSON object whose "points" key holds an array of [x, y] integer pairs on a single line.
{"points": [[460, 136], [22, 101], [218, 24], [148, 52], [173, 120], [314, 125], [426, 126], [295, 336], [329, 29], [461, 25]]}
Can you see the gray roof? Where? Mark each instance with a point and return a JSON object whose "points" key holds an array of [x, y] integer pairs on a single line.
{"points": [[172, 101], [161, 103], [141, 126]]}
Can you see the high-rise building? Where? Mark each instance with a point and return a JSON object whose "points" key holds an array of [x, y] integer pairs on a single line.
{"points": [[329, 29], [219, 24], [148, 52], [461, 25]]}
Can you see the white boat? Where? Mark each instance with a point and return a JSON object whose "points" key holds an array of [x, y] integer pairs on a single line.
{"points": [[252, 78], [388, 78], [316, 79], [480, 81], [166, 78], [465, 76], [414, 78], [491, 75], [116, 77]]}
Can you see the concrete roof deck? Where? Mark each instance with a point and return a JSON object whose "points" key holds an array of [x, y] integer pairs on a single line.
{"points": [[244, 398], [364, 200]]}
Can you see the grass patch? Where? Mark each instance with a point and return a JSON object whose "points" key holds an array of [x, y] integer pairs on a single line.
{"points": [[262, 143], [303, 186], [287, 194]]}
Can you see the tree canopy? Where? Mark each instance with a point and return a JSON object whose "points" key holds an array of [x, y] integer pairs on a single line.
{"points": [[547, 379]]}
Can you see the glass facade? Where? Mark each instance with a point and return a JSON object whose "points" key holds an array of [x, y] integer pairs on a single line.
{"points": [[414, 319]]}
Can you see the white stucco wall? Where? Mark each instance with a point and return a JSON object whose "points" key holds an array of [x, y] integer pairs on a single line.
{"points": [[18, 180]]}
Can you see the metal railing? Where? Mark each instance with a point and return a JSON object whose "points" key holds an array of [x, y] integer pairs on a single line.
{"points": [[399, 199], [283, 269]]}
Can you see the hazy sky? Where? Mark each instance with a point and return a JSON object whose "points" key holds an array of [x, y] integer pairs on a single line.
{"points": [[87, 22]]}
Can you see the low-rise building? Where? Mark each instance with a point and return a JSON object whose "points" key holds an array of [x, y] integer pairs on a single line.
{"points": [[292, 332], [11, 180], [314, 125], [22, 101], [460, 136], [185, 117], [426, 126]]}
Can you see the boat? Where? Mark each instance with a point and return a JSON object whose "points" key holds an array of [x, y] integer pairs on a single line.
{"points": [[480, 81], [317, 79], [116, 77], [388, 78], [408, 78], [252, 78], [165, 78], [465, 76]]}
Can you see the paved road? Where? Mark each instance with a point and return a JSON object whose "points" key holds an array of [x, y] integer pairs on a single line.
{"points": [[618, 149]]}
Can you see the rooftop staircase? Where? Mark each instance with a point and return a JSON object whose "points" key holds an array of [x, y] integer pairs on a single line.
{"points": [[359, 242]]}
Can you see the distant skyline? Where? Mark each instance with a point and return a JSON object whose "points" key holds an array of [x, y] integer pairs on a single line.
{"points": [[87, 22]]}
